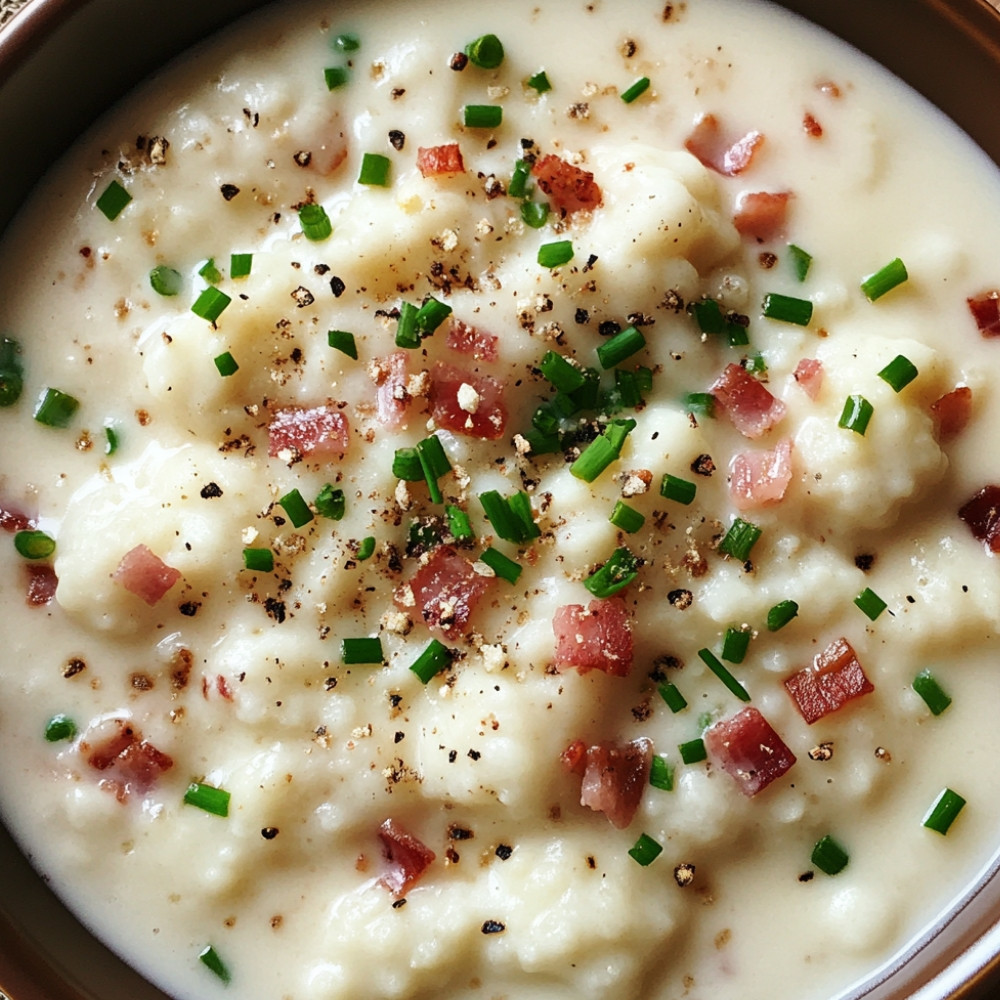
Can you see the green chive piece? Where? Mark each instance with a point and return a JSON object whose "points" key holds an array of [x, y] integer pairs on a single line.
{"points": [[585, 398], [210, 272], [240, 265], [212, 800], [258, 560], [458, 523], [801, 261], [520, 507], [210, 304], [870, 603], [113, 200], [693, 751], [621, 346], [316, 224], [669, 692], [407, 334], [110, 439], [756, 365], [226, 364], [505, 568], [708, 315], [627, 518], [828, 856], [565, 376], [927, 686], [11, 372], [781, 614], [434, 464], [645, 850], [331, 503], [503, 520], [787, 309], [346, 41], [617, 573], [661, 774], [943, 813], [435, 658], [518, 186], [482, 115], [699, 404], [856, 414], [55, 408], [406, 465], [296, 508], [165, 280], [555, 254], [485, 52], [899, 372], [885, 279], [602, 451], [363, 650], [539, 81], [60, 727], [431, 315], [366, 548], [210, 958], [721, 671], [740, 539], [34, 544], [638, 88], [336, 76], [735, 644], [343, 341], [374, 170], [534, 213], [677, 489]]}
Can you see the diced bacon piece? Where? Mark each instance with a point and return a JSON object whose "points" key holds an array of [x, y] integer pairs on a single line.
{"points": [[747, 748], [719, 152], [436, 161], [296, 432], [747, 401], [985, 309], [614, 777], [128, 763], [42, 583], [809, 374], [486, 418], [762, 215], [145, 574], [14, 519], [811, 126], [952, 412], [406, 858], [390, 375], [466, 339], [982, 515], [445, 590], [570, 187], [760, 478], [574, 757], [835, 678], [598, 637]]}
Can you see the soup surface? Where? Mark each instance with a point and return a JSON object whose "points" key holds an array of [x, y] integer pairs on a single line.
{"points": [[500, 506]]}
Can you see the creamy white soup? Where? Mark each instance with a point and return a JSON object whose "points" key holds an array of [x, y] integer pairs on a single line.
{"points": [[499, 502]]}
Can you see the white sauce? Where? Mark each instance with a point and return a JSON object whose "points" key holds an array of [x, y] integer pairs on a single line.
{"points": [[323, 752]]}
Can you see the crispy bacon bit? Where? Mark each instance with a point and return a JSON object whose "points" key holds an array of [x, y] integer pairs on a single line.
{"points": [[42, 583], [985, 309], [762, 215], [435, 161], [748, 749], [750, 406], [760, 478], [614, 776], [466, 339], [13, 519], [719, 152], [407, 858], [446, 590], [490, 416], [297, 431], [811, 127], [145, 574], [982, 515], [835, 678], [598, 637], [128, 763], [571, 188], [809, 374], [952, 412], [390, 375]]}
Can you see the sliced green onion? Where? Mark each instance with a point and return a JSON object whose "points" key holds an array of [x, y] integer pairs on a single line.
{"points": [[406, 465], [343, 341], [735, 644], [828, 856], [165, 280], [740, 539], [210, 272], [210, 958], [899, 372], [240, 265], [616, 574], [518, 186], [331, 503], [482, 115], [693, 751], [539, 81], [661, 774], [676, 702], [210, 304], [212, 800], [781, 614], [363, 650], [935, 697], [346, 41], [721, 671], [555, 254], [226, 364], [374, 170], [885, 279], [431, 315], [585, 398], [645, 850], [55, 408], [856, 414], [435, 658], [534, 213], [788, 309], [60, 727], [757, 365], [434, 464], [680, 490], [639, 87], [407, 334], [942, 814], [296, 508], [701, 404], [458, 523], [316, 224], [602, 451], [627, 518], [505, 568], [503, 520], [485, 52], [708, 315], [621, 346], [34, 544], [113, 200], [801, 261], [366, 548], [565, 376], [336, 76], [258, 560], [110, 439], [11, 372], [520, 506], [870, 603]]}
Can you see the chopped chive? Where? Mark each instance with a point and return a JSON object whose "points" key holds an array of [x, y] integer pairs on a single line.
{"points": [[240, 265], [942, 814], [165, 280], [639, 87], [336, 76], [60, 727], [343, 341], [110, 439], [316, 224], [539, 81], [505, 568], [828, 856], [585, 398], [721, 671], [503, 520], [787, 309], [431, 315], [213, 800], [700, 404], [362, 650], [346, 41], [210, 272], [661, 774], [708, 315], [621, 346], [757, 365], [458, 523], [693, 751], [210, 958], [870, 603], [885, 279], [435, 658], [801, 261], [34, 544], [628, 385], [518, 186], [927, 686], [407, 334], [434, 463], [680, 490], [602, 451], [534, 213], [113, 200], [406, 465], [555, 254], [856, 414], [482, 115], [11, 372], [258, 560], [645, 850], [55, 408], [210, 304], [670, 693], [627, 518], [226, 364], [485, 52], [366, 548], [565, 376], [520, 506], [331, 502], [617, 573], [374, 170], [899, 372], [740, 539], [296, 508], [781, 614], [735, 644]]}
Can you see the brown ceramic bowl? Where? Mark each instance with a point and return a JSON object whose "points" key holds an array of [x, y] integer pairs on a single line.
{"points": [[63, 61]]}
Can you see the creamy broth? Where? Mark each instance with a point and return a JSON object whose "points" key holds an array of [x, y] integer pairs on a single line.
{"points": [[193, 668]]}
